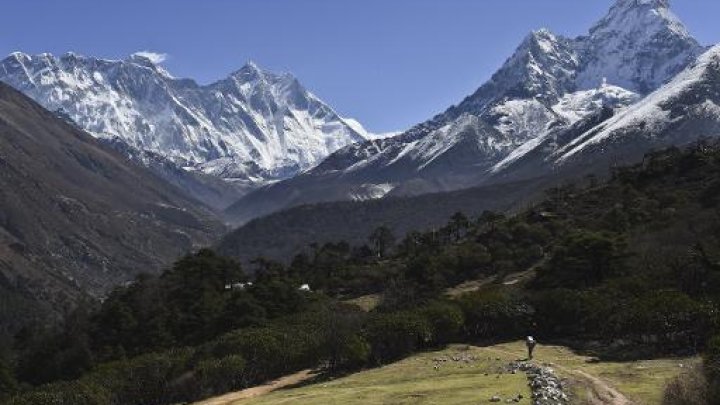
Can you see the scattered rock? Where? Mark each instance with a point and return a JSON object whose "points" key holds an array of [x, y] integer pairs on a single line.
{"points": [[546, 386], [495, 399]]}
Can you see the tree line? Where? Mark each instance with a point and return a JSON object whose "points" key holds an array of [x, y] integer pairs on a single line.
{"points": [[634, 258]]}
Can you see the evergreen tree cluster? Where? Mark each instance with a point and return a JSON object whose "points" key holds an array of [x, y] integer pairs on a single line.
{"points": [[633, 259]]}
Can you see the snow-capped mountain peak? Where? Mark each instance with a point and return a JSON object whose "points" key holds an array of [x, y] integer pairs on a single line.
{"points": [[252, 126], [623, 6], [249, 72], [639, 45], [137, 57], [544, 38], [552, 81], [550, 90], [626, 16]]}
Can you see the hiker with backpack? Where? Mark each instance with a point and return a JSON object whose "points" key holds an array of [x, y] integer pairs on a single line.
{"points": [[530, 343]]}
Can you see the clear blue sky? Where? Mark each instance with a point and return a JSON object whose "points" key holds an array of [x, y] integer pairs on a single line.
{"points": [[388, 63]]}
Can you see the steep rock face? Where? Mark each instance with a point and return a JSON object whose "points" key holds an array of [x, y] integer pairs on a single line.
{"points": [[639, 45], [214, 192], [252, 127], [76, 217], [685, 109], [534, 78], [548, 86]]}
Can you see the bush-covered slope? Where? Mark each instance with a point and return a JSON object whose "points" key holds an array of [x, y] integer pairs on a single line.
{"points": [[282, 235], [632, 263], [77, 217]]}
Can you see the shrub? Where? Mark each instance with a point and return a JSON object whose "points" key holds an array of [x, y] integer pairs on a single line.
{"points": [[146, 380], [711, 362], [65, 393], [398, 334], [356, 352], [220, 375], [269, 351], [584, 259], [493, 314], [675, 319], [446, 321], [559, 312], [689, 388], [8, 384], [260, 347], [332, 337]]}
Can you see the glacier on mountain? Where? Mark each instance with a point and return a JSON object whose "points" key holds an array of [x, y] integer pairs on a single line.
{"points": [[550, 81], [253, 127], [550, 89]]}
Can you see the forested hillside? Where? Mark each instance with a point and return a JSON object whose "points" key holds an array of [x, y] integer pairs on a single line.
{"points": [[282, 235], [632, 263]]}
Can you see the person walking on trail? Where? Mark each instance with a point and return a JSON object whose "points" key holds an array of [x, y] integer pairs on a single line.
{"points": [[530, 343]]}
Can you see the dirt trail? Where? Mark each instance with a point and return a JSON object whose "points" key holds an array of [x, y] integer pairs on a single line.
{"points": [[283, 382], [600, 392]]}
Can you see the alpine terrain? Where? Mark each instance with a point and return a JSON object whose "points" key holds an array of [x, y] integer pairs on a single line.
{"points": [[553, 98], [77, 218], [551, 239], [250, 128]]}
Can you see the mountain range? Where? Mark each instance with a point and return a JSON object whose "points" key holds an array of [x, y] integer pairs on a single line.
{"points": [[542, 104], [257, 142], [251, 128], [77, 218]]}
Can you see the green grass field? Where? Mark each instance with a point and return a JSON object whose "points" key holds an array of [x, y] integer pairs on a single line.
{"points": [[642, 381], [416, 381]]}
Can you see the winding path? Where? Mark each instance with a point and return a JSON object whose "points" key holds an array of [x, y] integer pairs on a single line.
{"points": [[600, 392], [283, 382]]}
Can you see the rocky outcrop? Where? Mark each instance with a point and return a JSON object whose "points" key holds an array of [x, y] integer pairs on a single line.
{"points": [[547, 388]]}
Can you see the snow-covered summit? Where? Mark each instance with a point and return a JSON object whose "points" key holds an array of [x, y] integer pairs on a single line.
{"points": [[551, 80], [252, 126], [550, 90], [639, 45]]}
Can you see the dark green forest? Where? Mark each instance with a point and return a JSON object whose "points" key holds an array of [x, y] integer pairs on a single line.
{"points": [[632, 262]]}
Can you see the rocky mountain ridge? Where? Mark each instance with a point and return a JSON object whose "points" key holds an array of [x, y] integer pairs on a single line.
{"points": [[549, 87], [77, 218], [250, 128]]}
